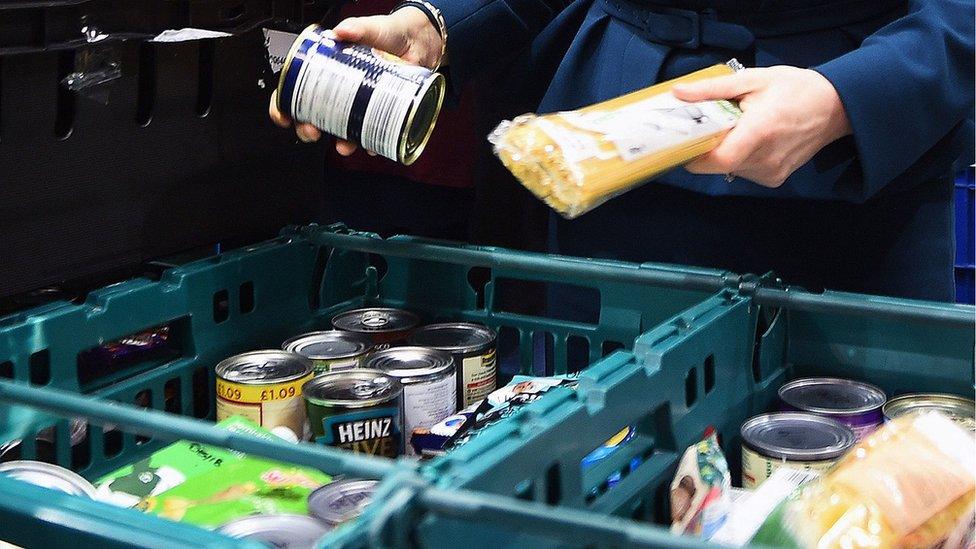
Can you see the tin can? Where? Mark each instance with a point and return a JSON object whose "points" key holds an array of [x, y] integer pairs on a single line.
{"points": [[360, 94], [359, 410], [265, 387], [381, 325], [790, 439], [429, 380], [45, 444], [959, 409], [473, 347], [341, 501], [853, 403], [48, 475], [283, 531], [332, 350]]}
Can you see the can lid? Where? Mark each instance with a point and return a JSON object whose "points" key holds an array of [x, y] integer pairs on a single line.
{"points": [[797, 436], [455, 337], [268, 366], [357, 388], [284, 531], [960, 409], [375, 319], [832, 395], [48, 475], [328, 345], [411, 364], [340, 501]]}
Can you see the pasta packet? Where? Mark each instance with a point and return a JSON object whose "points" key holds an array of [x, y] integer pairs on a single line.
{"points": [[576, 160], [907, 485]]}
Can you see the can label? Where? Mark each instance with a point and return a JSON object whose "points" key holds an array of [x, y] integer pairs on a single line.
{"points": [[322, 366], [426, 404], [756, 468], [375, 431], [269, 405], [477, 377]]}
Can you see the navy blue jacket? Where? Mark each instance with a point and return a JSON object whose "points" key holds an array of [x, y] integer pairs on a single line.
{"points": [[903, 69]]}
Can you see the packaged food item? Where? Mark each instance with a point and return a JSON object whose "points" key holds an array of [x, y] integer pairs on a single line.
{"points": [[246, 487], [959, 409], [45, 447], [48, 475], [429, 380], [751, 508], [331, 350], [265, 387], [853, 403], [577, 160], [359, 410], [172, 466], [473, 348], [382, 325], [790, 439], [907, 485], [341, 501], [700, 498], [278, 531]]}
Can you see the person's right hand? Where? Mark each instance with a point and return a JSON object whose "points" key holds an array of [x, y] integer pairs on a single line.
{"points": [[406, 33]]}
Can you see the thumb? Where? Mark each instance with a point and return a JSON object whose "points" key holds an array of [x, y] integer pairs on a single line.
{"points": [[722, 87], [368, 31]]}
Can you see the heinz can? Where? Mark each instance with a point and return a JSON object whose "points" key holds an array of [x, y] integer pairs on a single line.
{"points": [[788, 439], [341, 501], [473, 347], [429, 381], [360, 94], [959, 409], [331, 351], [853, 403], [382, 325], [48, 475], [265, 387], [282, 531], [359, 410]]}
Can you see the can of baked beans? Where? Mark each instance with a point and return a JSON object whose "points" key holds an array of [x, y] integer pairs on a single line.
{"points": [[265, 387], [383, 325], [360, 94], [473, 348]]}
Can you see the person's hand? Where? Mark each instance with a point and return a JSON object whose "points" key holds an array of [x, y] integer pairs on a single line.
{"points": [[789, 114], [406, 33]]}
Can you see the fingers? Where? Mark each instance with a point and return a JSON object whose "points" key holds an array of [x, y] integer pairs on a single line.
{"points": [[722, 87], [307, 132], [277, 116], [365, 30], [345, 148], [733, 152]]}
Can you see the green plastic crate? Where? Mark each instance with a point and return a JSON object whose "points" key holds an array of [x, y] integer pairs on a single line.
{"points": [[255, 298], [700, 368]]}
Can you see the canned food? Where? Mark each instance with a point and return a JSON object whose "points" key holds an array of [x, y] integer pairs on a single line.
{"points": [[340, 501], [48, 475], [429, 381], [473, 347], [360, 94], [331, 351], [359, 410], [959, 409], [853, 403], [45, 444], [797, 440], [283, 531], [382, 325], [265, 387]]}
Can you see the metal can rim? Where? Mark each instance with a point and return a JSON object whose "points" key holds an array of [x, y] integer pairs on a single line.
{"points": [[224, 365], [396, 389], [288, 61], [247, 526], [442, 370], [899, 403], [362, 485], [875, 391], [463, 349], [293, 345], [846, 436], [414, 320], [41, 467], [408, 157]]}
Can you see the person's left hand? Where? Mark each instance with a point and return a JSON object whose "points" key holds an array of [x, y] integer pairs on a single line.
{"points": [[789, 114]]}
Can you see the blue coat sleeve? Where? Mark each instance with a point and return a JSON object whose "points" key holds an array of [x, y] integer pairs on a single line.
{"points": [[907, 86], [484, 34]]}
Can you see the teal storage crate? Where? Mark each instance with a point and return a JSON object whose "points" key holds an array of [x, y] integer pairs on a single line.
{"points": [[702, 367], [255, 298]]}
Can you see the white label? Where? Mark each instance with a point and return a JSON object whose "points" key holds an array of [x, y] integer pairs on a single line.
{"points": [[478, 377], [338, 365], [757, 468], [278, 43], [388, 105], [575, 146], [324, 94], [656, 124], [425, 404]]}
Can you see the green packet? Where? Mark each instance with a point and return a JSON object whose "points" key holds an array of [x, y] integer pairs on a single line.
{"points": [[172, 466], [247, 487]]}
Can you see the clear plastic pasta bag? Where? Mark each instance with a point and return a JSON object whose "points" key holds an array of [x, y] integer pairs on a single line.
{"points": [[577, 160], [910, 484]]}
